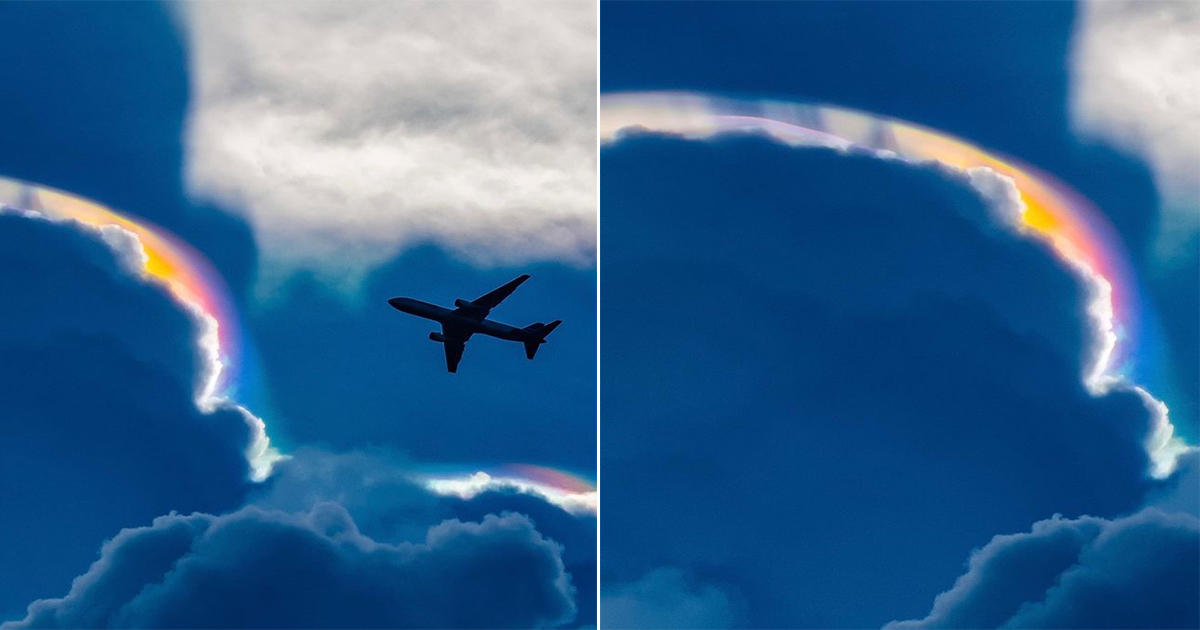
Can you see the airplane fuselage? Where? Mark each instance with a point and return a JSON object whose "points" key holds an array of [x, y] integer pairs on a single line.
{"points": [[448, 316], [469, 317]]}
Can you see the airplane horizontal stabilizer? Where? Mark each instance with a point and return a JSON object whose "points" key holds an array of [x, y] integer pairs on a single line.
{"points": [[538, 331]]}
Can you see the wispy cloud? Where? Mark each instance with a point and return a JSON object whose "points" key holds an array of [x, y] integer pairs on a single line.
{"points": [[345, 131], [1135, 83]]}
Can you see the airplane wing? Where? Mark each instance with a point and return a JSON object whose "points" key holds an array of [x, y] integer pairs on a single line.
{"points": [[495, 297], [455, 341]]}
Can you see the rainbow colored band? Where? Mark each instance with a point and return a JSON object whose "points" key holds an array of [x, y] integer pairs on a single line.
{"points": [[1075, 228], [187, 274]]}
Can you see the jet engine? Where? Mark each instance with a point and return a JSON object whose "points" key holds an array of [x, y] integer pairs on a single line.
{"points": [[437, 336], [467, 304]]}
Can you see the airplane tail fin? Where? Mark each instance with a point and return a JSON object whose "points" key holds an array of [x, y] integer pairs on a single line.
{"points": [[539, 332]]}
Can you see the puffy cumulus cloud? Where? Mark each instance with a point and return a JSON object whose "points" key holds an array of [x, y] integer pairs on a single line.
{"points": [[343, 130], [260, 568], [373, 496], [97, 408], [1004, 205], [666, 598], [1135, 83], [1139, 571], [874, 377], [376, 488], [385, 495], [1181, 491], [390, 499], [574, 531]]}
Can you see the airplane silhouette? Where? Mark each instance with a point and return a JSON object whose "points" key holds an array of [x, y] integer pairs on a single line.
{"points": [[470, 317]]}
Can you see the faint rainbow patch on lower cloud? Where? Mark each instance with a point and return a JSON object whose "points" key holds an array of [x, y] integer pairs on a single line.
{"points": [[570, 491]]}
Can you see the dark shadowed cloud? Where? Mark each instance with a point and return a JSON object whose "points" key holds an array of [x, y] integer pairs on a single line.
{"points": [[100, 426], [1139, 571], [860, 374], [667, 598], [576, 533], [257, 568], [388, 504]]}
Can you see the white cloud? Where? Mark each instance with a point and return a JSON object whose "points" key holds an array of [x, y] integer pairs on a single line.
{"points": [[470, 486], [1136, 84], [344, 131], [1002, 193]]}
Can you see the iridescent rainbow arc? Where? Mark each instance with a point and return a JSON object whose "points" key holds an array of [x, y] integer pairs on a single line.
{"points": [[574, 493], [545, 476], [1069, 222], [176, 265]]}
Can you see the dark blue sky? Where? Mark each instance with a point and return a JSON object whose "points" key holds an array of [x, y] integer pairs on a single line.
{"points": [[96, 96], [862, 378]]}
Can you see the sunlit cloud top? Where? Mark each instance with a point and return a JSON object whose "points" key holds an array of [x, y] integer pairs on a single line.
{"points": [[569, 491]]}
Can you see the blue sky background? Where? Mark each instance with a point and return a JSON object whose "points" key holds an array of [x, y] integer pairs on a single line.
{"points": [[846, 397], [96, 97]]}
